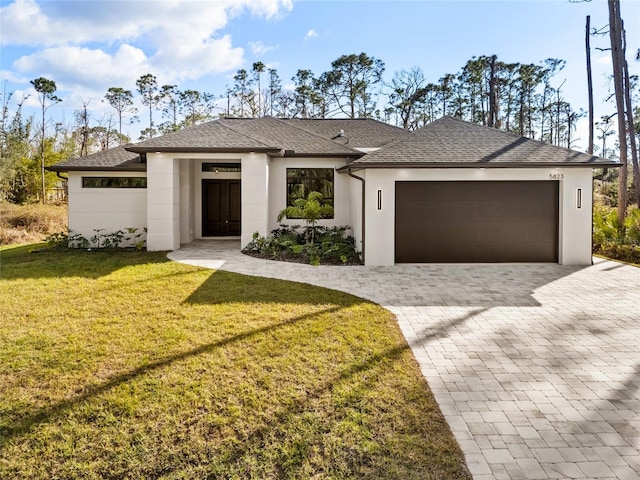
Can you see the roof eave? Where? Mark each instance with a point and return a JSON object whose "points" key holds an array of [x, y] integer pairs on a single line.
{"points": [[364, 165], [77, 168], [348, 156], [137, 149]]}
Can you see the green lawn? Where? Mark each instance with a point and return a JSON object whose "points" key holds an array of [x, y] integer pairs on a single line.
{"points": [[126, 365]]}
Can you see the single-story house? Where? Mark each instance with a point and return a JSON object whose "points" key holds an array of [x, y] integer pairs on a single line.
{"points": [[451, 191]]}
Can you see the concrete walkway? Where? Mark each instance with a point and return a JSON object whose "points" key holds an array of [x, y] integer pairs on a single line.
{"points": [[536, 367]]}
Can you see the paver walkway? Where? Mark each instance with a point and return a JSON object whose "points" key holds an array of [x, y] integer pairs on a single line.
{"points": [[536, 367]]}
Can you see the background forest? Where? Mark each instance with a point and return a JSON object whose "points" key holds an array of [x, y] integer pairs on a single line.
{"points": [[514, 97]]}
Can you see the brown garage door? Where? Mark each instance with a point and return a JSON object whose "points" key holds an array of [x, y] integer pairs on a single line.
{"points": [[467, 222]]}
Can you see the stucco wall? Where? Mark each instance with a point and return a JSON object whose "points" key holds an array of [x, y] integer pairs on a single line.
{"points": [[110, 209], [574, 223], [278, 190], [163, 202]]}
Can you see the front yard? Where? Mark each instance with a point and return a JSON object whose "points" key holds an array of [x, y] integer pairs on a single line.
{"points": [[126, 365]]}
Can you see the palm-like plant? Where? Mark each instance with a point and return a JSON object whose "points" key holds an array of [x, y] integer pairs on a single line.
{"points": [[310, 209]]}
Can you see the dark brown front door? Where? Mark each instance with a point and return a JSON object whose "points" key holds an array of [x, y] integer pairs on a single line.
{"points": [[469, 222], [220, 208]]}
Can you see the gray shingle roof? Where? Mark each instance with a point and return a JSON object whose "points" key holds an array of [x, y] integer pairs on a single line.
{"points": [[117, 159], [358, 133], [264, 134], [450, 142]]}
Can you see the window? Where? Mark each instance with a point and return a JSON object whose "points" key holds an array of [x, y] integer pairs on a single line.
{"points": [[221, 167], [302, 181], [114, 182]]}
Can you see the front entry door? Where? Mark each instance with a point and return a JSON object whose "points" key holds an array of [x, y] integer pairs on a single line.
{"points": [[220, 208]]}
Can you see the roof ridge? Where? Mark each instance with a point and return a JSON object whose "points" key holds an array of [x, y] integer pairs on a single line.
{"points": [[284, 122], [235, 130], [501, 132]]}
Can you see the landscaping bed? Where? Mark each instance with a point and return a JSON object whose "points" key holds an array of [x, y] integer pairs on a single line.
{"points": [[310, 245]]}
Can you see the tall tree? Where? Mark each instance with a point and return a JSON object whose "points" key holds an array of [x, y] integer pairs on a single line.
{"points": [[617, 58], [408, 92], [631, 131], [275, 87], [258, 69], [169, 101], [83, 131], [46, 93], [122, 101], [196, 107], [305, 93], [242, 91], [587, 41], [148, 89], [350, 83]]}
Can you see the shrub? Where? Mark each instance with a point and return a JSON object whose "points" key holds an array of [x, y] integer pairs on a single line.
{"points": [[614, 240], [30, 223], [331, 245], [130, 238]]}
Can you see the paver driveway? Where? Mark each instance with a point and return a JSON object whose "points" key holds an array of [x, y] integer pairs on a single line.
{"points": [[536, 367]]}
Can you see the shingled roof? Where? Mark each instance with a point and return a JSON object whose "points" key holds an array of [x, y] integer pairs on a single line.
{"points": [[266, 134], [116, 159], [453, 143], [355, 133]]}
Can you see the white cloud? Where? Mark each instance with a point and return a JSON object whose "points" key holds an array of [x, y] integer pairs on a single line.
{"points": [[27, 22], [604, 60], [259, 48], [78, 67], [176, 40], [311, 34]]}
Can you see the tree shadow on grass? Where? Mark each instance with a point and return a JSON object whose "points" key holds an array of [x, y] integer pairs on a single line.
{"points": [[24, 263], [350, 374], [46, 414], [226, 287]]}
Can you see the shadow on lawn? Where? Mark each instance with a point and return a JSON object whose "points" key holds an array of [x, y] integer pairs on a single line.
{"points": [[379, 360], [27, 261], [366, 382], [46, 414], [226, 287]]}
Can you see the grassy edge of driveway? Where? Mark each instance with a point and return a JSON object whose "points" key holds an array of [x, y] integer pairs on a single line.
{"points": [[126, 365]]}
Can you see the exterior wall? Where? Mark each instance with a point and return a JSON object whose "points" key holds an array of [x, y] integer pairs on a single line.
{"points": [[187, 202], [574, 223], [177, 195], [163, 202], [278, 190], [255, 196], [110, 209]]}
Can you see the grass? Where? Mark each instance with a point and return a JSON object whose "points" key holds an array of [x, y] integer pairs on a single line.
{"points": [[125, 365], [21, 224]]}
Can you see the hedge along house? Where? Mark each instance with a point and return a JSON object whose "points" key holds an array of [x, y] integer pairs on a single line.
{"points": [[450, 192]]}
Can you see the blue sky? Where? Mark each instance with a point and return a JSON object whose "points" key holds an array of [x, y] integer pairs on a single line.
{"points": [[89, 46]]}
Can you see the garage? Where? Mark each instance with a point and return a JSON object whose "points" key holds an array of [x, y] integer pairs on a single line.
{"points": [[476, 221]]}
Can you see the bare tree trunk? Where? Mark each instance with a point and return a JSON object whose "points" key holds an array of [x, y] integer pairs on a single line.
{"points": [[615, 34], [493, 94], [44, 190], [589, 85], [630, 124]]}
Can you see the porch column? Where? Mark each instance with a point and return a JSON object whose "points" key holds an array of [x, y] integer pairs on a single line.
{"points": [[163, 203], [255, 196]]}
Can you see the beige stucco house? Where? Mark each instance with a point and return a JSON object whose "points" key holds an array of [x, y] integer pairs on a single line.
{"points": [[449, 192]]}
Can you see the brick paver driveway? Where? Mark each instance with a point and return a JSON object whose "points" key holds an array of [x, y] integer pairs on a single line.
{"points": [[535, 367]]}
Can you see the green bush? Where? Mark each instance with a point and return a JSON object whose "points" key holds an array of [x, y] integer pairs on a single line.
{"points": [[129, 239], [331, 245], [614, 240]]}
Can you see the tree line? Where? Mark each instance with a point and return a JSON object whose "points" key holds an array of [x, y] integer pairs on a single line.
{"points": [[522, 98]]}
